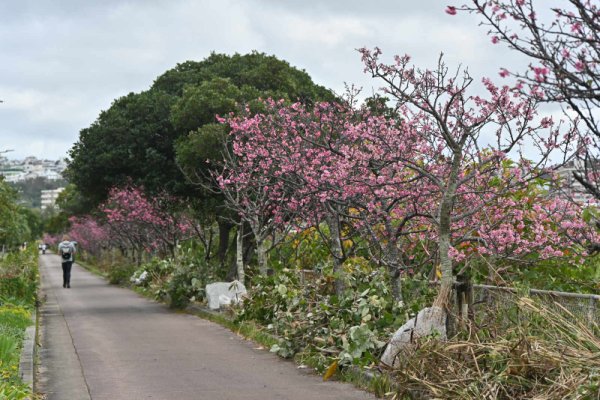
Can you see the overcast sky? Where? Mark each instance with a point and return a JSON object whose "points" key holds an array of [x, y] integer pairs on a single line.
{"points": [[63, 61]]}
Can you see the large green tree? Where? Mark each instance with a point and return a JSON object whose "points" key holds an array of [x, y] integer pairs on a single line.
{"points": [[161, 139], [131, 142], [134, 140]]}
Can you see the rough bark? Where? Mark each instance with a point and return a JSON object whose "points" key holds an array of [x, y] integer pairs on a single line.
{"points": [[224, 229], [337, 251], [445, 212], [393, 264], [239, 251], [261, 255]]}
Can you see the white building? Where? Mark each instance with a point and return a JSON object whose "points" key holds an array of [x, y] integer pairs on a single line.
{"points": [[31, 168], [571, 187], [49, 197]]}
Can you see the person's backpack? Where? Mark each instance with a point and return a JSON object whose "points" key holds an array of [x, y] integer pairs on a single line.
{"points": [[66, 253]]}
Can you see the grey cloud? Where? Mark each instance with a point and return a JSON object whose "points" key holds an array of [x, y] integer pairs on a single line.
{"points": [[65, 61]]}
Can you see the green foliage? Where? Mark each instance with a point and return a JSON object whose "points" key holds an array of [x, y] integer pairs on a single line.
{"points": [[199, 105], [14, 221], [19, 277], [178, 280], [548, 274], [55, 222], [305, 251], [191, 274], [14, 316], [316, 325], [72, 202], [558, 275], [11, 391], [257, 70], [18, 286], [34, 223], [131, 142], [120, 274], [200, 150]]}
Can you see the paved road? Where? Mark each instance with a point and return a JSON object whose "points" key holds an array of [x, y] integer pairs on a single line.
{"points": [[102, 342]]}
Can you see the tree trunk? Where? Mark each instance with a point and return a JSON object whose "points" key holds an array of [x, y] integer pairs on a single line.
{"points": [[208, 245], [224, 229], [337, 252], [393, 264], [445, 213], [261, 255], [396, 282], [239, 252]]}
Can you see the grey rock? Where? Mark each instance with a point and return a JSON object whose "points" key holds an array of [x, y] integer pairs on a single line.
{"points": [[430, 320], [224, 293]]}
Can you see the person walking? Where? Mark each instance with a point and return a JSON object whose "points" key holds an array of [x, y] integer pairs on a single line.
{"points": [[66, 249]]}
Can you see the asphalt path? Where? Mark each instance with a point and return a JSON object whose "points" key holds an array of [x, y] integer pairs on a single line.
{"points": [[103, 342]]}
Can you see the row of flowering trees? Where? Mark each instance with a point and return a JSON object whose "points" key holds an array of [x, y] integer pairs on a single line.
{"points": [[132, 222], [447, 173]]}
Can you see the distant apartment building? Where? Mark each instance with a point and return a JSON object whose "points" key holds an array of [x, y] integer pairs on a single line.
{"points": [[49, 197], [571, 187], [31, 168]]}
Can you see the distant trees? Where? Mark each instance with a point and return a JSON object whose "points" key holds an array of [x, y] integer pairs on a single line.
{"points": [[17, 224], [142, 224], [30, 189]]}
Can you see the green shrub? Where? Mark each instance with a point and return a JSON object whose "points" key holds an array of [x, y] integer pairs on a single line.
{"points": [[120, 274], [8, 349], [18, 294], [19, 277], [191, 274]]}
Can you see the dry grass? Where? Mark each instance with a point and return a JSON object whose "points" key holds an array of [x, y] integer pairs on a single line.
{"points": [[545, 353]]}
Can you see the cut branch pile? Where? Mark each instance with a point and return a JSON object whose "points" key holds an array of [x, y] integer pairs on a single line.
{"points": [[546, 354]]}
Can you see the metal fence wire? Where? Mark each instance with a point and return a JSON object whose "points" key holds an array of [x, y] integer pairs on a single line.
{"points": [[584, 307]]}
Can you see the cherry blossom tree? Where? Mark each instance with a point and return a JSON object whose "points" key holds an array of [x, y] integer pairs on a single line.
{"points": [[282, 173], [89, 234], [142, 224], [424, 177], [519, 227], [248, 190], [329, 164], [457, 149]]}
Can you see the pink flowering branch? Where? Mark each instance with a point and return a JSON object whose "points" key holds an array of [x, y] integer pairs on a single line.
{"points": [[449, 124], [564, 64]]}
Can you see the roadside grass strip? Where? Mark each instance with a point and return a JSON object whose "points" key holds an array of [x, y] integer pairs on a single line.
{"points": [[18, 277]]}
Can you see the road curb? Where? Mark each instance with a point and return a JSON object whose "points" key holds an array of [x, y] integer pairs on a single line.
{"points": [[27, 361]]}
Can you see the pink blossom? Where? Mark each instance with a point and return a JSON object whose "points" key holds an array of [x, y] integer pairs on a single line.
{"points": [[451, 10]]}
